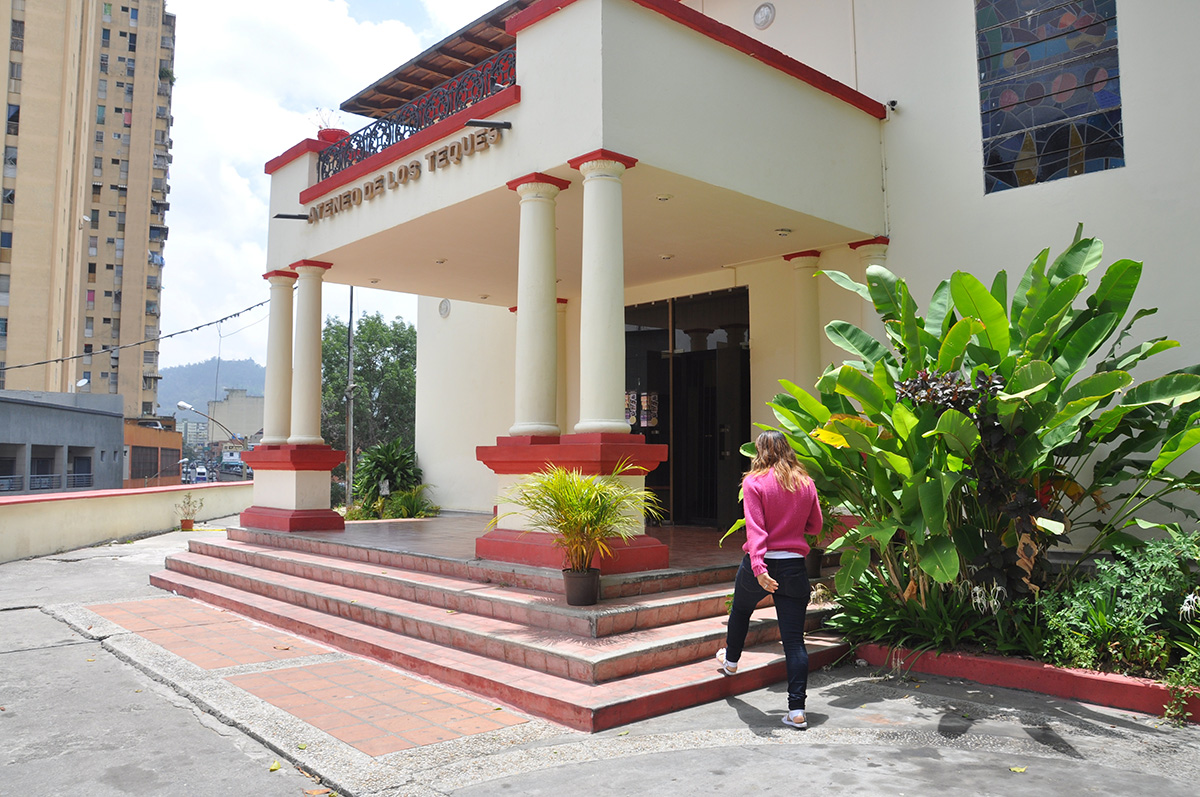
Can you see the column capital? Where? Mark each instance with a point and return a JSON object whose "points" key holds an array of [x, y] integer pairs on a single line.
{"points": [[878, 239], [535, 178], [321, 264], [806, 259], [543, 191], [281, 274], [602, 155]]}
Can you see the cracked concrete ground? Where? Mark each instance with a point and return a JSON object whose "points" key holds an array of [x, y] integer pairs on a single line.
{"points": [[84, 717]]}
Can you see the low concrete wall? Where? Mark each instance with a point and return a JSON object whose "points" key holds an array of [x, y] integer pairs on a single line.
{"points": [[43, 524]]}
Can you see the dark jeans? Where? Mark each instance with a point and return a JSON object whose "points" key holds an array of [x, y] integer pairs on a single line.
{"points": [[791, 604]]}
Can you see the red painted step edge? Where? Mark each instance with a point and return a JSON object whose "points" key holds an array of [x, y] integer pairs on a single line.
{"points": [[1101, 688]]}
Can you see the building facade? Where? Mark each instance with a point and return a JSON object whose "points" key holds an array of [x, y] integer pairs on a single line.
{"points": [[616, 212], [85, 187], [59, 442]]}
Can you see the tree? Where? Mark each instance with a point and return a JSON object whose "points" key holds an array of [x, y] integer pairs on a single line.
{"points": [[385, 359]]}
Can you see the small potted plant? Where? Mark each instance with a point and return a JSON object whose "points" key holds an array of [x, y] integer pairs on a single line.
{"points": [[583, 513], [188, 508]]}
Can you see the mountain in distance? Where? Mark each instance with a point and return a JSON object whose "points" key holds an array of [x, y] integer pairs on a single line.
{"points": [[200, 383]]}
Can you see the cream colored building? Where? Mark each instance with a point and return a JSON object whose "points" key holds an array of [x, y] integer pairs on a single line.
{"points": [[240, 412], [615, 232], [87, 158]]}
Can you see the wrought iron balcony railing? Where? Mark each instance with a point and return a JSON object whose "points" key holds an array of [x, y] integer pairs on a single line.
{"points": [[79, 480], [47, 482], [10, 483], [456, 94]]}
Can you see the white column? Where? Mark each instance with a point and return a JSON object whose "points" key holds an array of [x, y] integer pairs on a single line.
{"points": [[873, 253], [277, 394], [537, 314], [807, 314], [306, 368], [602, 302]]}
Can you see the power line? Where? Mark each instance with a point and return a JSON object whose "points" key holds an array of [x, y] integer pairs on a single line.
{"points": [[142, 342]]}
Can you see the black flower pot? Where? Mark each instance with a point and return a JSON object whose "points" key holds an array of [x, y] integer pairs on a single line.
{"points": [[582, 588], [813, 563]]}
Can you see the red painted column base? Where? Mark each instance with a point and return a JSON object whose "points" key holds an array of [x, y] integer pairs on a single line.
{"points": [[293, 458], [591, 454], [537, 548]]}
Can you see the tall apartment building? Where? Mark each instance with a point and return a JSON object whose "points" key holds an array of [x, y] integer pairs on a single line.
{"points": [[82, 228]]}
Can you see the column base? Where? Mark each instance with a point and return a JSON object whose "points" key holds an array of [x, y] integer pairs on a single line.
{"points": [[537, 548], [291, 488], [592, 454], [273, 519]]}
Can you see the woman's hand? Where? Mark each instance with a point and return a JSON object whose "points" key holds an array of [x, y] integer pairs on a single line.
{"points": [[766, 582]]}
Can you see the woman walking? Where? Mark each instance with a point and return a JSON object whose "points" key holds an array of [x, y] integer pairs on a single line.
{"points": [[781, 507]]}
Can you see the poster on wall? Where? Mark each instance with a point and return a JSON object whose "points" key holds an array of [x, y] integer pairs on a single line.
{"points": [[631, 407], [649, 410]]}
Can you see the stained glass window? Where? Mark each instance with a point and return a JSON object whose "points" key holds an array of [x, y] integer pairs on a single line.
{"points": [[1049, 90]]}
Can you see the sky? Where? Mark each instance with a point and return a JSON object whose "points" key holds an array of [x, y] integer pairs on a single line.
{"points": [[253, 78]]}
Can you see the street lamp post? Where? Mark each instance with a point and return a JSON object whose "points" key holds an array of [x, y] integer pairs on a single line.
{"points": [[183, 405]]}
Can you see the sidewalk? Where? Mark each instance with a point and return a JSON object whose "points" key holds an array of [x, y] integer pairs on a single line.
{"points": [[92, 659]]}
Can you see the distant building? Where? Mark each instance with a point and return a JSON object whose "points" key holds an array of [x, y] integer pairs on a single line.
{"points": [[153, 455], [82, 227], [242, 414], [195, 433], [59, 442]]}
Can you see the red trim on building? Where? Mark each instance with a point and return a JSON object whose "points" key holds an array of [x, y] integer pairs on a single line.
{"points": [[592, 454], [538, 177], [304, 147], [878, 239], [602, 155], [560, 300], [676, 11], [805, 253], [537, 548], [309, 263], [272, 519], [293, 457], [281, 273], [419, 140], [1106, 689]]}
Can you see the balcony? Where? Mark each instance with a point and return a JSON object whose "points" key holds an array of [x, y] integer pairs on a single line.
{"points": [[456, 94], [10, 484], [76, 480], [52, 481]]}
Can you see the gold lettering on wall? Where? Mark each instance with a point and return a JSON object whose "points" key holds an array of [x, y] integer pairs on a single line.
{"points": [[442, 158]]}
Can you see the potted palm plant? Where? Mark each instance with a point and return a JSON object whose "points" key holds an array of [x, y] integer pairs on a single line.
{"points": [[583, 513], [188, 508]]}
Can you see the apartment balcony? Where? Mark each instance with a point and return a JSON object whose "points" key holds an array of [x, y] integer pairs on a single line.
{"points": [[476, 84], [50, 481], [10, 484]]}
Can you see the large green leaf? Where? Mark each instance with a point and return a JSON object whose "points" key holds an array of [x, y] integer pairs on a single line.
{"points": [[939, 558], [1031, 290], [1096, 386], [1028, 379], [910, 333], [883, 287], [1174, 448], [854, 565], [842, 280], [1083, 256], [1116, 288], [971, 298], [999, 289], [959, 432], [939, 310], [1144, 351], [1083, 343], [807, 402], [847, 336], [1048, 317], [903, 421], [954, 345], [933, 506], [855, 385], [1172, 389]]}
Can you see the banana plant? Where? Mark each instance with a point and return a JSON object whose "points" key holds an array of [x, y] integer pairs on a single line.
{"points": [[979, 434]]}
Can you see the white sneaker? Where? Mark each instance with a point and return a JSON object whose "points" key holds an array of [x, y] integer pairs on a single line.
{"points": [[796, 719], [726, 667]]}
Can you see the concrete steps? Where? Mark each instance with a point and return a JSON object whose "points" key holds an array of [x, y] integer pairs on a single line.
{"points": [[466, 623]]}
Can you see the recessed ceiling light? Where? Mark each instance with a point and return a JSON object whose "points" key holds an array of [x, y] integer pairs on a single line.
{"points": [[484, 295], [374, 282], [440, 260], [783, 232], [666, 257], [664, 197]]}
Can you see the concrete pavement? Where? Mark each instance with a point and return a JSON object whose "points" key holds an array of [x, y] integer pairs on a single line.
{"points": [[91, 707]]}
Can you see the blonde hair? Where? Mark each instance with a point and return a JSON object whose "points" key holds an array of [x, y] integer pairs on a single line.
{"points": [[773, 453]]}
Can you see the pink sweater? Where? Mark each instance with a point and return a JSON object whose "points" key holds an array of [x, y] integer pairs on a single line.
{"points": [[777, 520]]}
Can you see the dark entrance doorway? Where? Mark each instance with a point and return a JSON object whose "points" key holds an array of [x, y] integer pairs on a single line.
{"points": [[687, 382]]}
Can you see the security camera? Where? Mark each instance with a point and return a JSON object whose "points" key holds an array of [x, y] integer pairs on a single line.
{"points": [[892, 104]]}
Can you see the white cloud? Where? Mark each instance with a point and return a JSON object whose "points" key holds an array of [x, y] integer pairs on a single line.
{"points": [[450, 15], [249, 78]]}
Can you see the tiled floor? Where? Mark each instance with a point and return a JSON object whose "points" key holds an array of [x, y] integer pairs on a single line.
{"points": [[364, 704], [453, 536]]}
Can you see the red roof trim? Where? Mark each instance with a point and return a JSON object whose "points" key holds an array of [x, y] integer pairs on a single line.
{"points": [[480, 110], [310, 263], [805, 253], [281, 273], [603, 155], [304, 147], [878, 239], [674, 10], [538, 177]]}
